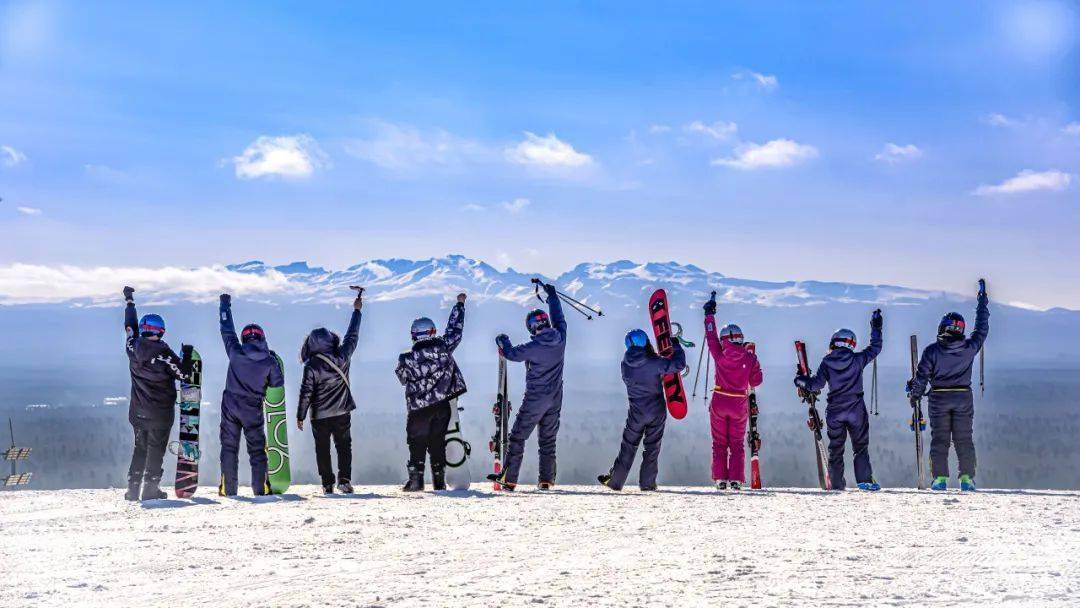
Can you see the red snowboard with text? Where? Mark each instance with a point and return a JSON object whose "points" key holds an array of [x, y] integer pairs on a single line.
{"points": [[661, 325]]}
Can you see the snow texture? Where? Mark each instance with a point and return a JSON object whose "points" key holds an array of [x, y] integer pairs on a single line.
{"points": [[576, 546]]}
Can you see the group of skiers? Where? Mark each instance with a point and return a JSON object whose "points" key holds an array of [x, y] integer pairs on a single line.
{"points": [[432, 381]]}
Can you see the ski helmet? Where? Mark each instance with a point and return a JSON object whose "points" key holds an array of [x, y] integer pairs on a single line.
{"points": [[252, 332], [951, 325], [422, 329], [636, 337], [536, 321], [733, 333], [152, 325], [842, 338]]}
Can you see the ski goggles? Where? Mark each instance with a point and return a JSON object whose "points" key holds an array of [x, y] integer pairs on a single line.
{"points": [[252, 332]]}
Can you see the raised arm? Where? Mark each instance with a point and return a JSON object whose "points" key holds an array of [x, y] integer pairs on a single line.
{"points": [[228, 329], [352, 334], [871, 352], [982, 317], [455, 324], [131, 320], [712, 339], [555, 311]]}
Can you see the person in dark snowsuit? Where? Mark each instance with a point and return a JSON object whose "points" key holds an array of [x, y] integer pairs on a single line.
{"points": [[253, 368], [541, 406], [642, 370], [845, 414], [945, 372], [325, 394], [154, 368], [432, 381]]}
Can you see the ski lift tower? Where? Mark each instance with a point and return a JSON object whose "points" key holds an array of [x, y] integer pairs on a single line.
{"points": [[14, 455]]}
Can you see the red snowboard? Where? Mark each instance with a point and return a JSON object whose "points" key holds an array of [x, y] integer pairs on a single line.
{"points": [[661, 325]]}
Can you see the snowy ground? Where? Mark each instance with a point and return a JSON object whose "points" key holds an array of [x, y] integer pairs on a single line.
{"points": [[578, 546]]}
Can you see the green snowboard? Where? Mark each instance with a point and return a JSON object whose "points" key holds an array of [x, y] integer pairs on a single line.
{"points": [[277, 437]]}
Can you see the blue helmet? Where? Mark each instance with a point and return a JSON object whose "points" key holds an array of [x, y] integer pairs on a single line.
{"points": [[422, 329], [537, 321], [152, 325], [636, 337], [842, 338], [952, 325]]}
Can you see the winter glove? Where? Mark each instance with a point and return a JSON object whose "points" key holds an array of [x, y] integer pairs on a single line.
{"points": [[803, 382], [129, 294], [876, 322], [710, 307], [226, 300], [983, 298], [503, 342]]}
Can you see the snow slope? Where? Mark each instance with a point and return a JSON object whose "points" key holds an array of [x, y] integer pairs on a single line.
{"points": [[579, 546]]}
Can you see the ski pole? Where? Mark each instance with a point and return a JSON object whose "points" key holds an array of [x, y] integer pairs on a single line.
{"points": [[982, 371], [873, 390], [697, 374], [569, 300]]}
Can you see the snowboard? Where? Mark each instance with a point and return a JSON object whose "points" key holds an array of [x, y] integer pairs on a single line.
{"points": [[753, 438], [917, 419], [674, 393], [187, 453], [500, 439], [458, 450], [814, 422], [277, 437]]}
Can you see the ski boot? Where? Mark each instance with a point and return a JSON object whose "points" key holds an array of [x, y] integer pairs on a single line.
{"points": [[721, 484], [605, 480], [503, 484], [416, 479], [150, 490], [647, 488], [869, 486], [940, 484], [438, 478], [545, 485], [967, 484], [734, 486], [328, 488], [134, 483], [345, 487]]}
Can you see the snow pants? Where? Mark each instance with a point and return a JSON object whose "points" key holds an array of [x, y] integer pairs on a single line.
{"points": [[952, 420], [647, 424], [425, 431], [237, 418], [148, 454], [338, 428], [843, 421], [727, 419], [539, 411]]}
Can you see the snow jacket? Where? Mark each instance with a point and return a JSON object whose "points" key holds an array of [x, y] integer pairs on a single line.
{"points": [[842, 370], [154, 368], [736, 369], [323, 391], [428, 370], [253, 367], [946, 364], [642, 370], [544, 353]]}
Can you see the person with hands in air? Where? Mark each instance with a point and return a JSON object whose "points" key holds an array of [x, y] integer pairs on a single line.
{"points": [[541, 406], [325, 395], [842, 370], [432, 381], [154, 369], [945, 373], [253, 368]]}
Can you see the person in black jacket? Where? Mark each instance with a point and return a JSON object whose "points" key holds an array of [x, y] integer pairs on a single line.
{"points": [[326, 395], [155, 368], [431, 379]]}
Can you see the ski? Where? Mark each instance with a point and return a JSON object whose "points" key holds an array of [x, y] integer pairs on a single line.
{"points": [[661, 324], [187, 453], [753, 438], [814, 421], [499, 441], [917, 422]]}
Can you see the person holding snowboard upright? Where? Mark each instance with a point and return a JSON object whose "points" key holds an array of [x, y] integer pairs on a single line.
{"points": [[154, 368], [945, 369], [432, 380], [736, 371], [845, 414], [642, 370], [326, 395], [253, 368], [541, 406]]}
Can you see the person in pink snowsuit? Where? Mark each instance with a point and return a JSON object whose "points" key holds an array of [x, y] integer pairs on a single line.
{"points": [[736, 371]]}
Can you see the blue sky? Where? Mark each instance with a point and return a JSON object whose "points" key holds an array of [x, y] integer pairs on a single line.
{"points": [[863, 142]]}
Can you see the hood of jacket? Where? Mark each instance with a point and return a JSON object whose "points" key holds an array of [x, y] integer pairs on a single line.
{"points": [[548, 336], [839, 359], [321, 341]]}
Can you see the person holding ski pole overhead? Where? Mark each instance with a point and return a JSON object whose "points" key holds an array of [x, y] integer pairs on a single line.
{"points": [[154, 368], [326, 394], [541, 406], [432, 381], [642, 370], [945, 369], [736, 371], [842, 370], [253, 368]]}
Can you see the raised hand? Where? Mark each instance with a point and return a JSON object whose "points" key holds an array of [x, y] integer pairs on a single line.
{"points": [[876, 322], [129, 294], [226, 299]]}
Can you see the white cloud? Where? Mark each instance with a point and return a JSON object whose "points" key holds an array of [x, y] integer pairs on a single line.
{"points": [[547, 151], [893, 153], [287, 156], [1073, 128], [517, 205], [1028, 181], [720, 131], [1000, 120], [104, 173], [659, 129], [473, 207], [29, 283], [404, 147], [774, 154], [28, 210], [765, 82], [10, 157]]}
